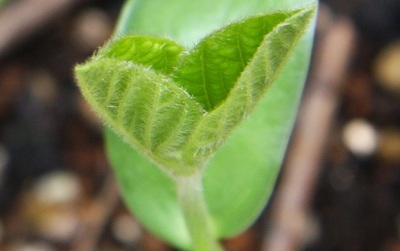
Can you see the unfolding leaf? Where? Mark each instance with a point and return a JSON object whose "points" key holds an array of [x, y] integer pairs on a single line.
{"points": [[213, 67], [178, 107], [147, 109], [261, 68], [160, 54]]}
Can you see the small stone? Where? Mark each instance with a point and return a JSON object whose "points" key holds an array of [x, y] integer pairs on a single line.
{"points": [[30, 246], [58, 226], [50, 209], [91, 29], [389, 145], [59, 187], [125, 229], [360, 137], [387, 67]]}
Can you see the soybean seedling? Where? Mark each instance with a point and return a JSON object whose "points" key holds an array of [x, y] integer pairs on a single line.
{"points": [[170, 108]]}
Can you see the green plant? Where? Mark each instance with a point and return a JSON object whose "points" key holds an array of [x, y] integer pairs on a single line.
{"points": [[171, 108]]}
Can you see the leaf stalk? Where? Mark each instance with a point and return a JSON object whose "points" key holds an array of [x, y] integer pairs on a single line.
{"points": [[191, 199]]}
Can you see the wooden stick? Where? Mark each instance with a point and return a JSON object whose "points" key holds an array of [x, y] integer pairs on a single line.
{"points": [[21, 19], [290, 208]]}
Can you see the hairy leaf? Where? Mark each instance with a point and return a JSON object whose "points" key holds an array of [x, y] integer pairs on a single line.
{"points": [[251, 83], [213, 67], [147, 109], [160, 54], [178, 107]]}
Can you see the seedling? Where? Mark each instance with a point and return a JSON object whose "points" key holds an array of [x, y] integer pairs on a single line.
{"points": [[170, 108]]}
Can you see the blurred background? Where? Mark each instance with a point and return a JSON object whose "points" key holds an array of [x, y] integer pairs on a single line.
{"points": [[57, 191]]}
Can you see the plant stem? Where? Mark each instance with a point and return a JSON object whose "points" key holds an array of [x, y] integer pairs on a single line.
{"points": [[191, 199]]}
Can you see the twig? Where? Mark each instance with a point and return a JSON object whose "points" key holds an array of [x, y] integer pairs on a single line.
{"points": [[21, 19], [290, 207]]}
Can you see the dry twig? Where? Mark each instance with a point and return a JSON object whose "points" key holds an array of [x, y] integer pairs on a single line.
{"points": [[21, 19], [290, 207]]}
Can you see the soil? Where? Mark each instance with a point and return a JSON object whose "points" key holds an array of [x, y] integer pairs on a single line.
{"points": [[54, 174]]}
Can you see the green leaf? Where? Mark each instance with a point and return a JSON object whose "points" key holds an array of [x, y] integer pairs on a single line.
{"points": [[240, 178], [251, 83], [213, 67], [147, 109], [160, 54], [226, 73]]}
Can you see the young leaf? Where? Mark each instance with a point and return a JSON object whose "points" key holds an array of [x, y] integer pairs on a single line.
{"points": [[160, 54], [152, 113], [225, 74], [258, 73], [212, 68]]}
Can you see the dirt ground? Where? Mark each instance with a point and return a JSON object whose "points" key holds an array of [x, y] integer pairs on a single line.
{"points": [[57, 191]]}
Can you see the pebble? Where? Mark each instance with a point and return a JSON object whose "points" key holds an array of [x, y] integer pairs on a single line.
{"points": [[51, 207], [389, 145], [126, 230], [59, 226], [30, 246], [58, 187], [360, 137], [91, 29], [387, 67]]}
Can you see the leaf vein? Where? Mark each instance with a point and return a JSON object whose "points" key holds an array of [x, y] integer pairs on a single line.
{"points": [[149, 123], [203, 77]]}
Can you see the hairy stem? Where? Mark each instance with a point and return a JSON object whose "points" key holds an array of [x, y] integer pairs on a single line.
{"points": [[191, 199]]}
